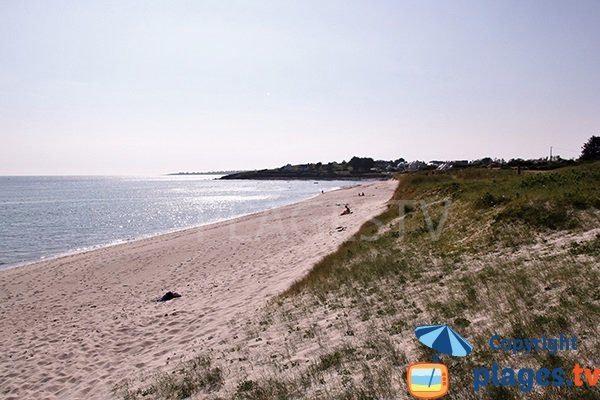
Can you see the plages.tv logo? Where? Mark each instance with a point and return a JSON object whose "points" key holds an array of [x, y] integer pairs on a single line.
{"points": [[430, 380]]}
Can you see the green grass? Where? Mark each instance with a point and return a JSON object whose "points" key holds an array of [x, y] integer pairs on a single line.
{"points": [[479, 272], [491, 211], [487, 206]]}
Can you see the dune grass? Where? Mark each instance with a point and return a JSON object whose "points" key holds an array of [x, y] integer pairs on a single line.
{"points": [[486, 251], [479, 275], [487, 206], [194, 376]]}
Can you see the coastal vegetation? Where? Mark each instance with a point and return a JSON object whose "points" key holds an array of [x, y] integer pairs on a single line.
{"points": [[487, 251], [356, 168], [591, 149], [368, 168]]}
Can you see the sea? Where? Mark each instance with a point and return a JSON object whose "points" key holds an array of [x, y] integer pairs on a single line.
{"points": [[43, 217]]}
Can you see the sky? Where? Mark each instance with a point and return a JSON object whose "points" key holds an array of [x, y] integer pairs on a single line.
{"points": [[151, 87]]}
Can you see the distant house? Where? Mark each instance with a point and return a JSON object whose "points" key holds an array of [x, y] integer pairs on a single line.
{"points": [[413, 166], [460, 163], [440, 165]]}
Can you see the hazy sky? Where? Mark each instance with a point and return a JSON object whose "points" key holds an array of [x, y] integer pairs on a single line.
{"points": [[150, 87]]}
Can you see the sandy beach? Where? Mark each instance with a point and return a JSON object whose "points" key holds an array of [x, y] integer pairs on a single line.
{"points": [[75, 326]]}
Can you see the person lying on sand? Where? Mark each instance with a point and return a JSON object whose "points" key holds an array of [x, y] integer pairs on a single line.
{"points": [[346, 211]]}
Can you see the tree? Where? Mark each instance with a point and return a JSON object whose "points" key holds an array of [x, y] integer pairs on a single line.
{"points": [[361, 163], [591, 149]]}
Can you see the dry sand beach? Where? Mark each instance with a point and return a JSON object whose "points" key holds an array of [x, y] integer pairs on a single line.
{"points": [[75, 326]]}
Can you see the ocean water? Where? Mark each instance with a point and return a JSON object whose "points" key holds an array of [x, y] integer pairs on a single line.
{"points": [[42, 217]]}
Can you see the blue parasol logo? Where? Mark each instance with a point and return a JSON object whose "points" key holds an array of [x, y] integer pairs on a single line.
{"points": [[443, 339], [431, 380]]}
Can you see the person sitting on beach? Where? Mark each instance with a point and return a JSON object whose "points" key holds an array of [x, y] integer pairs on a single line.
{"points": [[346, 211]]}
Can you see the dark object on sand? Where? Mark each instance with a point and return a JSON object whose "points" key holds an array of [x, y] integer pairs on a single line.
{"points": [[346, 211], [169, 296]]}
